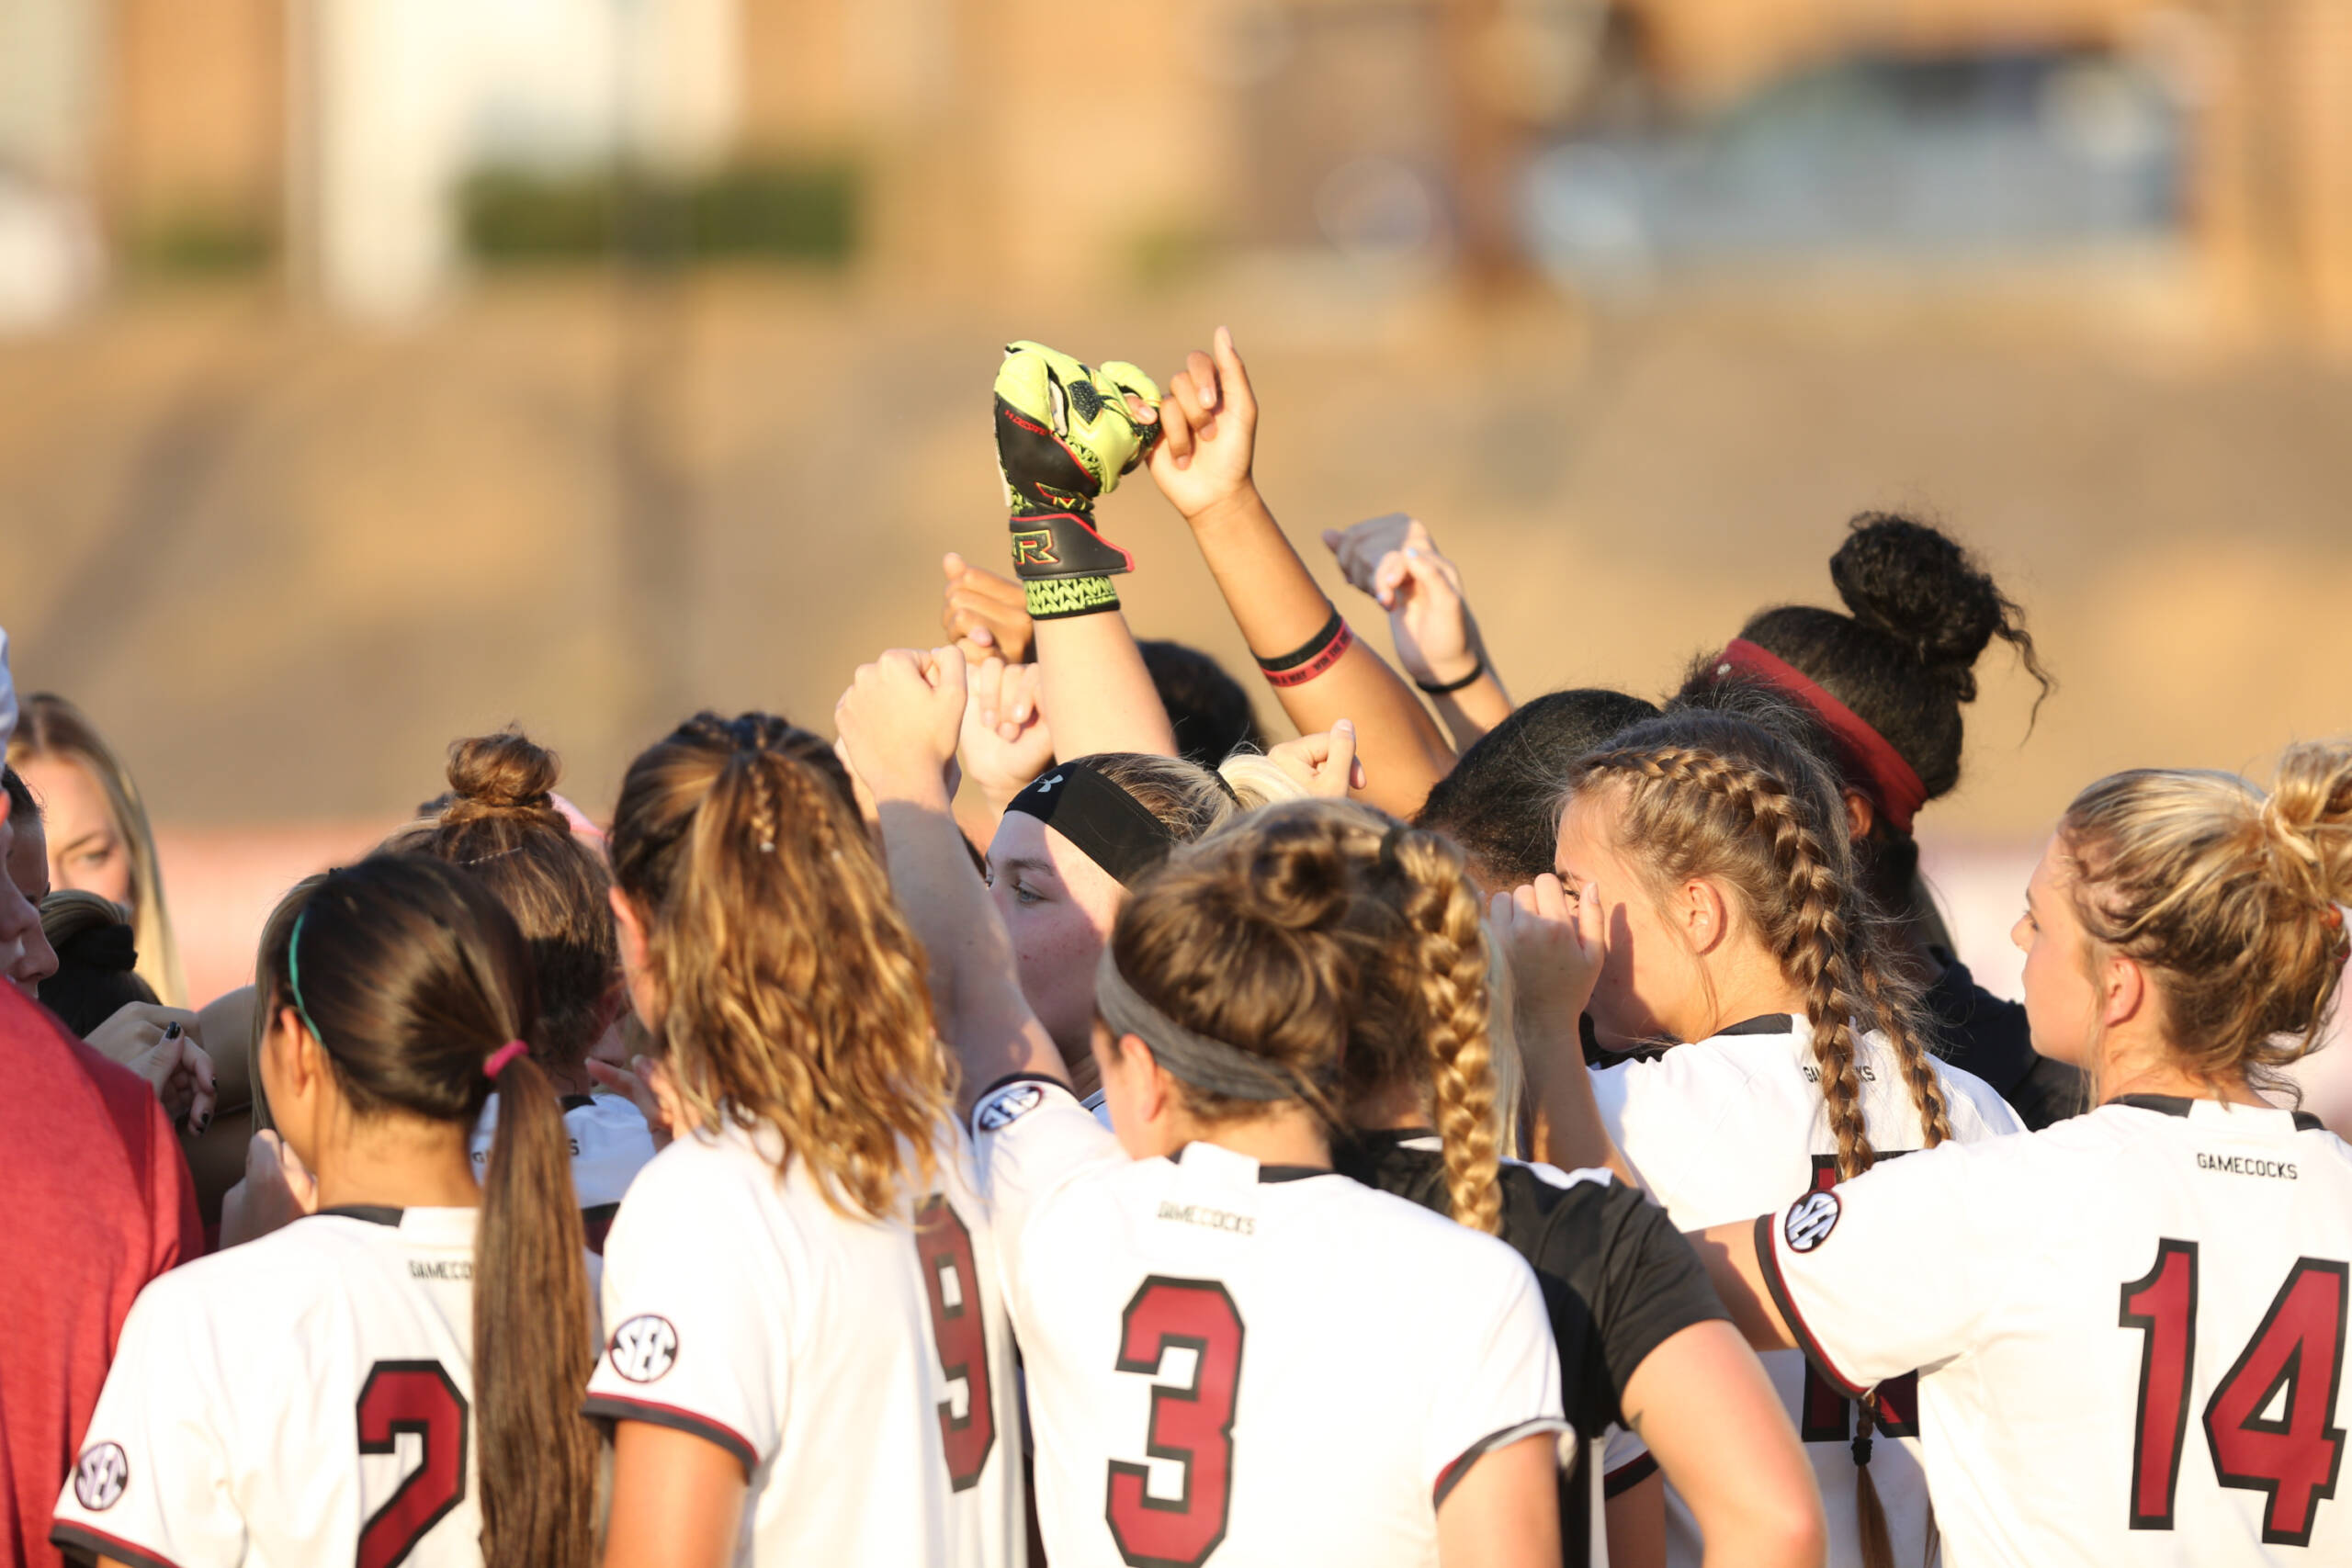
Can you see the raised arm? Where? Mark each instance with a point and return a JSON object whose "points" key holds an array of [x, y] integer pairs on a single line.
{"points": [[898, 723], [1554, 952], [1438, 643], [1320, 670], [1716, 1427]]}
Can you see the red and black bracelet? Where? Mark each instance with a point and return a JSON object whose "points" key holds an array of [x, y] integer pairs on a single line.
{"points": [[1317, 654]]}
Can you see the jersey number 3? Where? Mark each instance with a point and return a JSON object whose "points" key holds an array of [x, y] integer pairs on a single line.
{"points": [[959, 1328], [2294, 1363], [1191, 1422], [416, 1399]]}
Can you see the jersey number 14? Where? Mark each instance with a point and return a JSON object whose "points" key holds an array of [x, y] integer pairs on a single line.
{"points": [[2295, 1362]]}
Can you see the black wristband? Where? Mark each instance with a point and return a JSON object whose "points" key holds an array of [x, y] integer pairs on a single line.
{"points": [[1477, 673], [1312, 656]]}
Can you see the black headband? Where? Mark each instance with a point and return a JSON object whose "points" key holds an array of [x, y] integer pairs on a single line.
{"points": [[1109, 826]]}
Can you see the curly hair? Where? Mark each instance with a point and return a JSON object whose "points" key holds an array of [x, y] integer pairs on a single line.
{"points": [[792, 991]]}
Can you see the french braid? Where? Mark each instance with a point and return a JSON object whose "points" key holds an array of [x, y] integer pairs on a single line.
{"points": [[1451, 958]]}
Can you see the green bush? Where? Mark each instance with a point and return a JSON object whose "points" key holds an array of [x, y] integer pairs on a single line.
{"points": [[804, 212]]}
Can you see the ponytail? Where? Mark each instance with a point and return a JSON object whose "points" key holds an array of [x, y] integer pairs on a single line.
{"points": [[534, 1343]]}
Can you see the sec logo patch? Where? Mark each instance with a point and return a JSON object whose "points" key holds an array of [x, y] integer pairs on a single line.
{"points": [[100, 1477], [1810, 1220], [644, 1349], [1008, 1105]]}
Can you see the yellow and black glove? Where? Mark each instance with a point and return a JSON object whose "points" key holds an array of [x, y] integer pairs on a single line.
{"points": [[1064, 436]]}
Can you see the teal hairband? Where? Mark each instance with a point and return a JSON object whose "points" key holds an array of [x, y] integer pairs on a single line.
{"points": [[294, 975]]}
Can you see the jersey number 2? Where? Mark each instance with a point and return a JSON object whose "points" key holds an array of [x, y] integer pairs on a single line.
{"points": [[1191, 1422], [2294, 1361], [960, 1329], [419, 1399]]}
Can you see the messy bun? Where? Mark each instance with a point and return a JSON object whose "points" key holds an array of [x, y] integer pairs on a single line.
{"points": [[97, 957], [2232, 899], [501, 823], [1342, 948], [491, 774], [1923, 612]]}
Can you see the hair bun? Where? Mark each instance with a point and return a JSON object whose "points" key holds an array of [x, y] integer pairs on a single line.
{"points": [[500, 772], [1919, 590], [1298, 879], [2309, 818], [109, 948]]}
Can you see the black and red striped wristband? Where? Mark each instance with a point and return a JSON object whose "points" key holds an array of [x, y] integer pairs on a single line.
{"points": [[1311, 658]]}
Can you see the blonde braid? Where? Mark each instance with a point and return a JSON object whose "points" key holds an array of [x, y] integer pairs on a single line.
{"points": [[1891, 1002], [1450, 961]]}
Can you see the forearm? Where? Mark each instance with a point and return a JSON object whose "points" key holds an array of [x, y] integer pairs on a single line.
{"points": [[1476, 709], [1279, 606], [975, 988], [1098, 694], [1570, 1133]]}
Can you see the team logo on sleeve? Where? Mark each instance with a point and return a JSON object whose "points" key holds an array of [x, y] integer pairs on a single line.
{"points": [[1008, 1105], [644, 1349], [1810, 1220], [100, 1477]]}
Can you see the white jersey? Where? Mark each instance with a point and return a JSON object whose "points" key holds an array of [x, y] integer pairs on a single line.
{"points": [[302, 1399], [859, 1371], [610, 1143], [1725, 1128], [1244, 1365], [2129, 1327]]}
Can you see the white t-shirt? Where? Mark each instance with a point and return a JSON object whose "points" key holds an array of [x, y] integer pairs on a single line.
{"points": [[610, 1143], [1725, 1128], [300, 1400], [860, 1369], [2130, 1329], [1245, 1365]]}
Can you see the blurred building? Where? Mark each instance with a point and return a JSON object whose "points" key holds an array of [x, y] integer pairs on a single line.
{"points": [[345, 143]]}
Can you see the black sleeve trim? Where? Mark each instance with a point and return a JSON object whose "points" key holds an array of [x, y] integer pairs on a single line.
{"points": [[1062, 1084], [614, 1407], [1769, 1260], [97, 1544], [1627, 1476], [1450, 1476]]}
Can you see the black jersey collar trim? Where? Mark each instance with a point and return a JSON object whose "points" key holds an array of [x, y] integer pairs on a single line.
{"points": [[578, 1101], [374, 1214], [1762, 1024], [1292, 1172], [2179, 1105]]}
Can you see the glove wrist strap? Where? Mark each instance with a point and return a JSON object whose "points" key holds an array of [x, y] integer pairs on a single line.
{"points": [[1058, 598]]}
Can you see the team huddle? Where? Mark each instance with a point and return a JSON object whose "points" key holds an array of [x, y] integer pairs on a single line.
{"points": [[1045, 1124]]}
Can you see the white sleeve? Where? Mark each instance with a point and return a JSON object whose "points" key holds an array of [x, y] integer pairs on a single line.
{"points": [[1033, 1140], [1898, 1269], [151, 1482], [1505, 1388], [697, 1326]]}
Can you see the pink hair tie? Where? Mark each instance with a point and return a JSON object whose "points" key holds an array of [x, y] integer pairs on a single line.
{"points": [[502, 1057]]}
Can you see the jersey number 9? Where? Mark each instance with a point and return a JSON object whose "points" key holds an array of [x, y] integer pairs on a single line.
{"points": [[2299, 1347], [1191, 1422], [960, 1330]]}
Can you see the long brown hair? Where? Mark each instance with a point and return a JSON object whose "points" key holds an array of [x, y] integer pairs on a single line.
{"points": [[792, 992], [1344, 948], [1701, 793], [49, 725], [2229, 897], [411, 974], [500, 821]]}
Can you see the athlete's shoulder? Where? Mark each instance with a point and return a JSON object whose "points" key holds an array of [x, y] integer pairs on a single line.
{"points": [[1975, 1109]]}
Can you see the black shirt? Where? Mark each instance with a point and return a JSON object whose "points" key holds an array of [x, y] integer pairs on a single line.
{"points": [[1618, 1280], [1979, 1032]]}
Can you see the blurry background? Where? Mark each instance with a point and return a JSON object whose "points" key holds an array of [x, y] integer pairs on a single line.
{"points": [[378, 371]]}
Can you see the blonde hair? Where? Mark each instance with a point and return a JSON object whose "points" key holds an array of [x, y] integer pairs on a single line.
{"points": [[1702, 794], [791, 993], [1341, 946], [49, 725], [1192, 801], [2229, 897]]}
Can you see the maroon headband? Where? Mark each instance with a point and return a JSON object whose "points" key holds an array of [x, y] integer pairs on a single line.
{"points": [[1894, 784]]}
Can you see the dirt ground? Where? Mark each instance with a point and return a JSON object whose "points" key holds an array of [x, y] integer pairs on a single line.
{"points": [[284, 561]]}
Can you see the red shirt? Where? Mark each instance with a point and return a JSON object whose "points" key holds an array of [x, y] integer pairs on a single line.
{"points": [[95, 1201]]}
